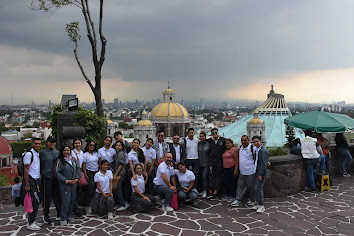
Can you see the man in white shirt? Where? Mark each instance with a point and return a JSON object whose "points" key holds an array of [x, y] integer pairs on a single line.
{"points": [[246, 175], [165, 182], [192, 160], [32, 170]]}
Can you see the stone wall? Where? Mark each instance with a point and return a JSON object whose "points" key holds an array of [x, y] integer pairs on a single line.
{"points": [[287, 176], [6, 195]]}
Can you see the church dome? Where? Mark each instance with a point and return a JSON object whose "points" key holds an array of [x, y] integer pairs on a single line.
{"points": [[144, 123], [256, 121], [169, 109]]}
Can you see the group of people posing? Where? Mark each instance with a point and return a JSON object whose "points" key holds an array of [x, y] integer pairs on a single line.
{"points": [[121, 174]]}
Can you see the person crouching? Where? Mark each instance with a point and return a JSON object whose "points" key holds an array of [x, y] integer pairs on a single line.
{"points": [[103, 201]]}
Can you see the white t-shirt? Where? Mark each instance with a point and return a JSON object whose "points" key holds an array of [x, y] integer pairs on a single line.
{"points": [[186, 178], [133, 156], [178, 152], [139, 182], [149, 154], [79, 156], [91, 161], [104, 180], [192, 148], [246, 162], [35, 168], [163, 168], [105, 154], [308, 148]]}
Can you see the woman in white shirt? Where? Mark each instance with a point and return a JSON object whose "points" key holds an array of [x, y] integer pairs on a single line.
{"points": [[78, 154], [107, 153], [139, 201], [150, 155], [90, 167], [186, 179], [103, 201]]}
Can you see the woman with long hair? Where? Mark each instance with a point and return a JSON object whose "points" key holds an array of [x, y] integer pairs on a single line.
{"points": [[103, 201], [67, 172], [78, 154], [90, 167], [140, 201], [150, 155], [119, 170], [106, 152]]}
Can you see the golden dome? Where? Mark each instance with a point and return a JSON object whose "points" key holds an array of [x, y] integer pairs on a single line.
{"points": [[144, 112], [144, 123], [256, 121], [176, 110], [109, 122]]}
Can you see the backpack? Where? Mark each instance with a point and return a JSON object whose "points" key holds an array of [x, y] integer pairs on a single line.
{"points": [[21, 166]]}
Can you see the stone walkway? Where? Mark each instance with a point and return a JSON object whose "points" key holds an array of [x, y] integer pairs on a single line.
{"points": [[327, 213]]}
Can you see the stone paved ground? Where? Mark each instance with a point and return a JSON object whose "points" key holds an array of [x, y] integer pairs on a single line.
{"points": [[327, 213]]}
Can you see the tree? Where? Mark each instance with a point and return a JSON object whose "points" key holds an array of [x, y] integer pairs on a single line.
{"points": [[290, 135], [98, 55]]}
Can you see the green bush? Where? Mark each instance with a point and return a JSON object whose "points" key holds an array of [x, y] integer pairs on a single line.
{"points": [[4, 181], [21, 147], [273, 152]]}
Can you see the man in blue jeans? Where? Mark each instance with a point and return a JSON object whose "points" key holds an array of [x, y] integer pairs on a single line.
{"points": [[310, 153], [165, 182]]}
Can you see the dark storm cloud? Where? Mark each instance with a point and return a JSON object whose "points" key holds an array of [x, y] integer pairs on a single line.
{"points": [[226, 40]]}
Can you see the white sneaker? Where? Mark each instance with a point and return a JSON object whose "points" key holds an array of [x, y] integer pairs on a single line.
{"points": [[110, 215], [88, 210], [63, 222], [255, 207], [236, 203], [204, 195], [33, 227], [167, 208], [122, 208], [260, 209], [37, 223]]}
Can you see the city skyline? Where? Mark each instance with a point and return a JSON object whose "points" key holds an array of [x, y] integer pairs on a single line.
{"points": [[223, 50]]}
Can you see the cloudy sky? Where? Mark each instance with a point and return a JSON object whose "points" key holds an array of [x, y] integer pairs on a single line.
{"points": [[206, 48]]}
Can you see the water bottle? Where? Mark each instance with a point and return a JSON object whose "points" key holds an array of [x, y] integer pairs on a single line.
{"points": [[37, 198]]}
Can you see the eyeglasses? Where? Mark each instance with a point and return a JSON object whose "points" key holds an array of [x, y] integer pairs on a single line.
{"points": [[214, 132], [92, 145], [160, 135], [175, 138]]}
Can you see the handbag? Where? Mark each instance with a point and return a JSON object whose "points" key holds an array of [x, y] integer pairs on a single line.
{"points": [[82, 181], [28, 203], [174, 201], [115, 183]]}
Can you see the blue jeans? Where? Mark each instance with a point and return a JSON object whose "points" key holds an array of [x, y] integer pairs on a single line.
{"points": [[165, 192], [311, 166], [347, 159], [258, 190], [204, 171], [182, 196]]}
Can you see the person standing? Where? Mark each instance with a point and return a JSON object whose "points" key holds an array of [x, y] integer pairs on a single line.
{"points": [[90, 167], [217, 148], [119, 170], [165, 182], [161, 147], [343, 151], [67, 171], [50, 186], [311, 154], [150, 155], [106, 152], [192, 159], [32, 173], [204, 157], [261, 173], [230, 163], [325, 151], [246, 176], [78, 154], [177, 150]]}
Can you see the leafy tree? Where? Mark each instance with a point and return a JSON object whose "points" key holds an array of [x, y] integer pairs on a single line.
{"points": [[98, 50], [36, 124], [290, 135]]}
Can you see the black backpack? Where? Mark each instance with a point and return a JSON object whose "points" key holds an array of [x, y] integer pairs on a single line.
{"points": [[21, 166]]}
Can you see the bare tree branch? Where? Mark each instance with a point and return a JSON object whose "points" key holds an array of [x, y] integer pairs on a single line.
{"points": [[81, 67], [103, 39]]}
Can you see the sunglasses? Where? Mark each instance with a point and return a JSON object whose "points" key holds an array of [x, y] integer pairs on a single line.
{"points": [[175, 138], [214, 132]]}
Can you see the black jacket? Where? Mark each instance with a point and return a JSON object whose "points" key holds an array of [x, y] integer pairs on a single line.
{"points": [[217, 149], [182, 152]]}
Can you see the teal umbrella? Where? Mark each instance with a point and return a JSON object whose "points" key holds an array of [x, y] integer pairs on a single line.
{"points": [[321, 122]]}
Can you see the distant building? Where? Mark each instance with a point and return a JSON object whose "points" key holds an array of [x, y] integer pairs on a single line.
{"points": [[256, 127], [144, 129], [6, 155], [170, 116], [272, 113], [116, 102]]}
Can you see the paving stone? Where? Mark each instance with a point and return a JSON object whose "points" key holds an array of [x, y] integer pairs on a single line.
{"points": [[222, 220], [256, 231], [7, 228], [186, 224], [207, 226], [277, 233], [165, 229], [140, 227], [98, 232], [192, 233], [164, 219], [223, 233], [235, 227]]}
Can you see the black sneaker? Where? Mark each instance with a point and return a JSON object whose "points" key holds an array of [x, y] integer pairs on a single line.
{"points": [[210, 195], [214, 197], [78, 214], [47, 219]]}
